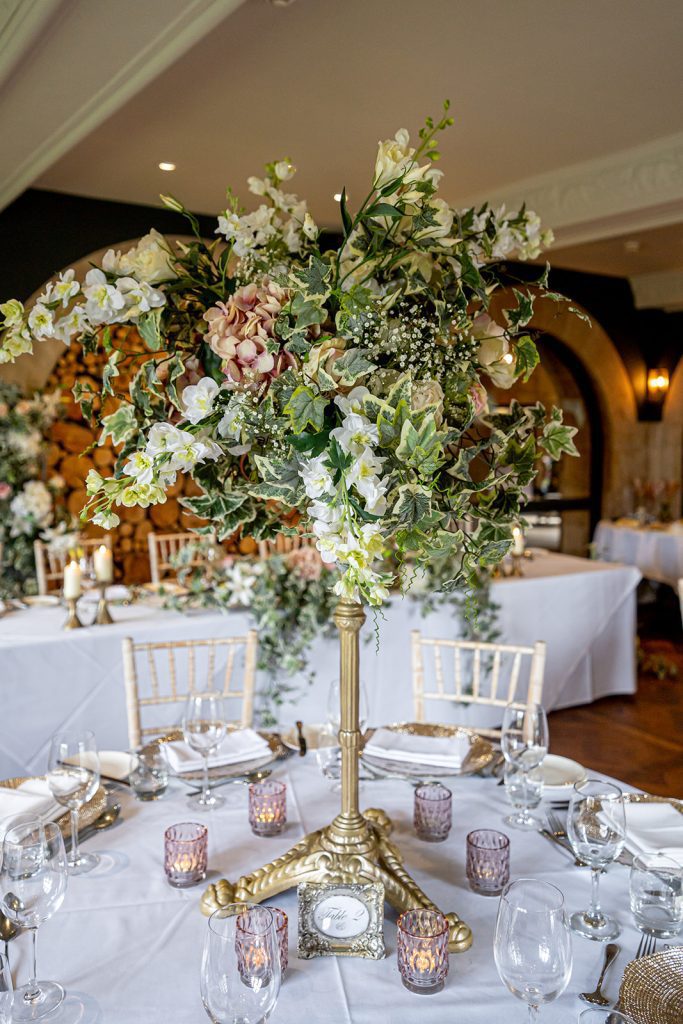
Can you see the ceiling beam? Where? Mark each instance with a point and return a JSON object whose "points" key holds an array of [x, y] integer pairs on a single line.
{"points": [[70, 64]]}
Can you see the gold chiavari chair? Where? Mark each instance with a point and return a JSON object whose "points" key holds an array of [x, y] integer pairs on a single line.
{"points": [[284, 544], [485, 674], [50, 563], [164, 548], [165, 673]]}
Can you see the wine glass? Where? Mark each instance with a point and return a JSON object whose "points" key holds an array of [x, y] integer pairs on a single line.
{"points": [[532, 946], [334, 707], [33, 878], [240, 972], [524, 743], [204, 728], [596, 826], [73, 775], [6, 991]]}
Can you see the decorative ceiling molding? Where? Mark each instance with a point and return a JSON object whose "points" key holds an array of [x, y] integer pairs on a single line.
{"points": [[20, 22], [147, 54], [632, 190], [662, 290]]}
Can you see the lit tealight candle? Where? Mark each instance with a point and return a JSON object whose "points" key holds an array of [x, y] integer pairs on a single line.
{"points": [[517, 541], [72, 581], [104, 564]]}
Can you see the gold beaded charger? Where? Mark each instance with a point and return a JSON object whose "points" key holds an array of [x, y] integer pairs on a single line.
{"points": [[652, 988], [87, 814], [480, 754], [276, 752]]}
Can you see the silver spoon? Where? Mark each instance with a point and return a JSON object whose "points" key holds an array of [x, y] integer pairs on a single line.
{"points": [[597, 998]]}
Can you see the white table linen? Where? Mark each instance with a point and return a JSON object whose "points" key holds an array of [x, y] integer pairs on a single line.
{"points": [[51, 679], [130, 946], [657, 553]]}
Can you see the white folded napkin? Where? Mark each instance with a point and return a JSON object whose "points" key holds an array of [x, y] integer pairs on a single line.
{"points": [[114, 592], [439, 751], [654, 828], [31, 797], [240, 745]]}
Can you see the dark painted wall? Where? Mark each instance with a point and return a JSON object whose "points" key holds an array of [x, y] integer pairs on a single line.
{"points": [[43, 232]]}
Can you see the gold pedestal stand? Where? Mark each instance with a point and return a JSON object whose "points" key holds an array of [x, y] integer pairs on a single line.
{"points": [[355, 847], [103, 616]]}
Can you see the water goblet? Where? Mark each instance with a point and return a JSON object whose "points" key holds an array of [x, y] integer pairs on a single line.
{"points": [[33, 879], [532, 944], [204, 728], [596, 826], [6, 991], [148, 774], [524, 743], [73, 776], [240, 971], [334, 707], [656, 891]]}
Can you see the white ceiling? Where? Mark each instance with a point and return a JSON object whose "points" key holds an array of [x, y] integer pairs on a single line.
{"points": [[574, 103]]}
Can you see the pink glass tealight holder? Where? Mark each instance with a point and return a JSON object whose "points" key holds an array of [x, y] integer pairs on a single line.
{"points": [[267, 807], [488, 861], [185, 854], [422, 950], [432, 816]]}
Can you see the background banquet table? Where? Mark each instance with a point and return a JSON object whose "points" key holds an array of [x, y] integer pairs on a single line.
{"points": [[129, 945], [50, 678], [657, 553]]}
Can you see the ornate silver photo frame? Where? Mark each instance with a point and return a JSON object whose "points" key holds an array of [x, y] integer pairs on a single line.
{"points": [[341, 920]]}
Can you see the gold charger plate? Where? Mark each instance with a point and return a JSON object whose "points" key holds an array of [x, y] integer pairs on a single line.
{"points": [[652, 988], [87, 814], [277, 752], [480, 754], [648, 798]]}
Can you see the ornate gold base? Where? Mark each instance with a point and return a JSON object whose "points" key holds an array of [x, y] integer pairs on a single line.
{"points": [[349, 851]]}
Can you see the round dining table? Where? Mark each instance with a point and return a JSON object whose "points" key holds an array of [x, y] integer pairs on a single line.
{"points": [[127, 946]]}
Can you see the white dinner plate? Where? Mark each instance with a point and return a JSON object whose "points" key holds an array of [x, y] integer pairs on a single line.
{"points": [[115, 764], [561, 773], [41, 600]]}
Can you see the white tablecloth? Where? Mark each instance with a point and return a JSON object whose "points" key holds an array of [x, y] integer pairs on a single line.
{"points": [[50, 679], [657, 553], [129, 945]]}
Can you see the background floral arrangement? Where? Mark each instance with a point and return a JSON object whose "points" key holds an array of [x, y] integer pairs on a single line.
{"points": [[348, 385], [27, 503]]}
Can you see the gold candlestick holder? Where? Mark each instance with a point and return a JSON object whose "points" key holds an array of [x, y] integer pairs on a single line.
{"points": [[73, 621], [355, 847], [103, 616], [517, 565]]}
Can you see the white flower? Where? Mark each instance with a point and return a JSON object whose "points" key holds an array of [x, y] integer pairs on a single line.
{"points": [[198, 399], [73, 323], [442, 215], [27, 445], [41, 321], [13, 313], [310, 228], [232, 425], [161, 437], [353, 402], [257, 186], [141, 467], [104, 301], [316, 476], [355, 433], [284, 170], [15, 344], [185, 450], [31, 508], [364, 476], [65, 288], [149, 261], [138, 297], [106, 519]]}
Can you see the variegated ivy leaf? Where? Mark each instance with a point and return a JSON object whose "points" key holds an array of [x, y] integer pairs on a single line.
{"points": [[421, 448], [527, 357], [556, 438], [353, 365], [390, 424], [523, 311], [413, 504], [305, 408], [314, 279], [148, 327], [110, 371], [307, 311], [279, 472], [119, 425]]}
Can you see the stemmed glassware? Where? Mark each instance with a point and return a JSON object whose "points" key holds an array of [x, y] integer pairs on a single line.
{"points": [[33, 879], [6, 991], [334, 707], [204, 727], [240, 972], [524, 743], [532, 945], [73, 775], [596, 826]]}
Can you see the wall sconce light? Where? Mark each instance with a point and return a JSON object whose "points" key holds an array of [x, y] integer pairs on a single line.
{"points": [[657, 385]]}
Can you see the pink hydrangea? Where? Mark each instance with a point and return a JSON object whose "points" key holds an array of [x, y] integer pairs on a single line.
{"points": [[242, 332], [306, 563]]}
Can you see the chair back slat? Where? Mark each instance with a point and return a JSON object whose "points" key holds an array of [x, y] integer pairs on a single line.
{"points": [[485, 674], [146, 687], [163, 548], [283, 544], [50, 563]]}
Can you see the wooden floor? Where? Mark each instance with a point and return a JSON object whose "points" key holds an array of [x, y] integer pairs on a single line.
{"points": [[638, 739]]}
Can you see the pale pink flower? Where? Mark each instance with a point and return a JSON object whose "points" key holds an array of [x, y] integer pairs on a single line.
{"points": [[478, 397], [305, 563], [5, 490], [242, 332]]}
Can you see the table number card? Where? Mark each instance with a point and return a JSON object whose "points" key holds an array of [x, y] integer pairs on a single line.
{"points": [[341, 920]]}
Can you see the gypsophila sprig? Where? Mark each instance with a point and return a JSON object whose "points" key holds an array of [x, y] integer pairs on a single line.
{"points": [[347, 386]]}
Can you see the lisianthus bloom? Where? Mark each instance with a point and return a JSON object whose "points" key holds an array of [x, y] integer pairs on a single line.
{"points": [[242, 332]]}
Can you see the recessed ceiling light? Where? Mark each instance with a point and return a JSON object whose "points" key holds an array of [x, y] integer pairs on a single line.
{"points": [[337, 197], [632, 245], [163, 166]]}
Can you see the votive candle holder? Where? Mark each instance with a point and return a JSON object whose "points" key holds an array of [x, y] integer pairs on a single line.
{"points": [[267, 807], [253, 944], [185, 854], [432, 815], [422, 950], [488, 861]]}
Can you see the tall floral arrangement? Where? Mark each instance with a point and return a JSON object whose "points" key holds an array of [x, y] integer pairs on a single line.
{"points": [[347, 385], [27, 500]]}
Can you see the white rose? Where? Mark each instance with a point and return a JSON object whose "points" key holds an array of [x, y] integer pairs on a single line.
{"points": [[426, 393], [284, 170], [149, 260]]}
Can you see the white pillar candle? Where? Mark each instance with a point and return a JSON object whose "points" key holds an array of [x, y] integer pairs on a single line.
{"points": [[517, 541], [104, 565], [72, 580]]}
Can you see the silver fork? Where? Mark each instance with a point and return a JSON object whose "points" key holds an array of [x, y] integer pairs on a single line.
{"points": [[646, 947]]}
